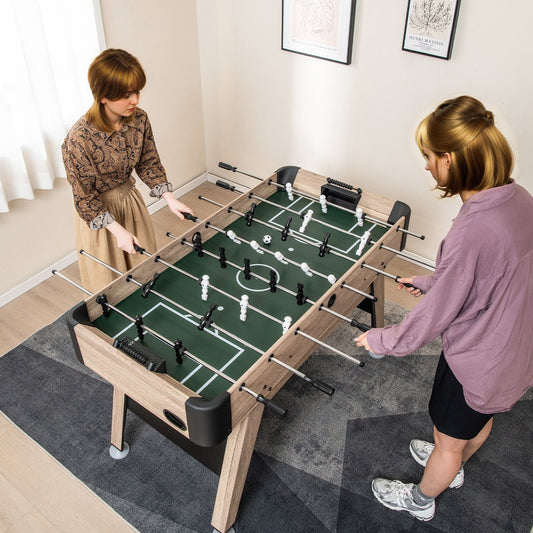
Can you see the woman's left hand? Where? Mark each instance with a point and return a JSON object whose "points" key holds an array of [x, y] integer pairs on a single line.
{"points": [[362, 341], [177, 207]]}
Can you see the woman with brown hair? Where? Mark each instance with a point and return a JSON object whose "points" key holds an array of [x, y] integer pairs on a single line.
{"points": [[479, 299], [100, 152]]}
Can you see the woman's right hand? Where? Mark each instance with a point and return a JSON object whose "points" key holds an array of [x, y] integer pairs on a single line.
{"points": [[412, 290], [125, 239]]}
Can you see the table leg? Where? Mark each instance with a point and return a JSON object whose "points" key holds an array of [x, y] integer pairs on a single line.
{"points": [[237, 457], [118, 419], [379, 306]]}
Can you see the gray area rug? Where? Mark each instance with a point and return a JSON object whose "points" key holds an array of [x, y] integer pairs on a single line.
{"points": [[311, 471]]}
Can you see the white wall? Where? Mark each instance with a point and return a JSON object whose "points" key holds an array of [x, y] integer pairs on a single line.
{"points": [[265, 108], [163, 36]]}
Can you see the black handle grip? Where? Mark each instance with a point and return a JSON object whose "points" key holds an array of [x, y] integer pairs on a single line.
{"points": [[188, 216], [225, 185], [410, 285], [269, 404], [226, 166], [324, 387], [360, 325], [138, 248]]}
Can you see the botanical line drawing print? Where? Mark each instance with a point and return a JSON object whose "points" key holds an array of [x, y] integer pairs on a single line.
{"points": [[431, 16]]}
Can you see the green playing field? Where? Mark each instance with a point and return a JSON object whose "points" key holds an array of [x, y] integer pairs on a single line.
{"points": [[247, 340]]}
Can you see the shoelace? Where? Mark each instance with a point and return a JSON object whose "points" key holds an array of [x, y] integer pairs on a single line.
{"points": [[428, 448], [400, 489]]}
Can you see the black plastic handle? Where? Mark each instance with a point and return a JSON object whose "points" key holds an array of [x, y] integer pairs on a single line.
{"points": [[324, 387], [226, 166], [359, 325], [138, 248], [410, 285], [225, 185], [269, 404], [188, 216]]}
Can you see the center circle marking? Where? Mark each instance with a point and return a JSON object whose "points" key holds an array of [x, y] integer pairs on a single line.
{"points": [[244, 283]]}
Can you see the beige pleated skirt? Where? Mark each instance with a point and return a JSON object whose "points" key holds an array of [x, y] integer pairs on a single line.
{"points": [[126, 204]]}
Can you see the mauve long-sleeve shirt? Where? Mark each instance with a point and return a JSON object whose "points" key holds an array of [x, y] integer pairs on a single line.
{"points": [[480, 299]]}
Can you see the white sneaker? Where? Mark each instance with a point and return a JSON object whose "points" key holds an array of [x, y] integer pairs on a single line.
{"points": [[421, 450], [397, 496]]}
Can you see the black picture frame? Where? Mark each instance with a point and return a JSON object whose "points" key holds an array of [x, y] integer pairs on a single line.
{"points": [[325, 33], [430, 27]]}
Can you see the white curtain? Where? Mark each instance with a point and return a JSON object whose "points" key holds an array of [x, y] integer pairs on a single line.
{"points": [[46, 47]]}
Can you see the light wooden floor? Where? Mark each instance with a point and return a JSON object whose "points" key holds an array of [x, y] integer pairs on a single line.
{"points": [[37, 494]]}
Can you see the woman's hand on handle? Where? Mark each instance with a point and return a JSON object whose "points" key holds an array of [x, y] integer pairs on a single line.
{"points": [[125, 239], [177, 207], [412, 290], [361, 341]]}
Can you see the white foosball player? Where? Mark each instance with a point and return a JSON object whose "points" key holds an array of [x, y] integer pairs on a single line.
{"points": [[279, 256], [307, 217], [205, 285], [359, 215], [288, 188], [306, 269], [323, 203], [244, 307], [362, 244], [286, 324], [233, 237], [256, 247]]}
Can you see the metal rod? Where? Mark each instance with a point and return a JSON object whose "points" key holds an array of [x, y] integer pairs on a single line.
{"points": [[386, 274], [56, 273], [334, 350]]}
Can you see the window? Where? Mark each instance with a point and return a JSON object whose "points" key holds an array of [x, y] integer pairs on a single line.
{"points": [[46, 48]]}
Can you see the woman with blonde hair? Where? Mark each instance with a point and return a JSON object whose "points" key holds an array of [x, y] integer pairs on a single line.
{"points": [[479, 299], [100, 152]]}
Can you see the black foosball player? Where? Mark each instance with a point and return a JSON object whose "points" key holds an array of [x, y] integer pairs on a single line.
{"points": [[100, 153], [479, 299]]}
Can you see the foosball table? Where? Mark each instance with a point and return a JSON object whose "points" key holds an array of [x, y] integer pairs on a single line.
{"points": [[198, 339]]}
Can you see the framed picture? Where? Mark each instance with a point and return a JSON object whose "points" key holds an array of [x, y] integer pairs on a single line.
{"points": [[319, 28], [430, 27]]}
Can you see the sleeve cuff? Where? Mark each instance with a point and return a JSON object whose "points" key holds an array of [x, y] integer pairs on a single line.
{"points": [[101, 221], [423, 283], [161, 189]]}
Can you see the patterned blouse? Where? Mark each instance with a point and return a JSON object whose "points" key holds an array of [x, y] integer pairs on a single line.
{"points": [[96, 162]]}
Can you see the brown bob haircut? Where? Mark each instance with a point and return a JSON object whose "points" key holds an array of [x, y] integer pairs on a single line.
{"points": [[113, 74], [481, 157]]}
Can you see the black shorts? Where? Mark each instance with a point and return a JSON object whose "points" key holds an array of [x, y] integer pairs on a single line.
{"points": [[448, 409]]}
